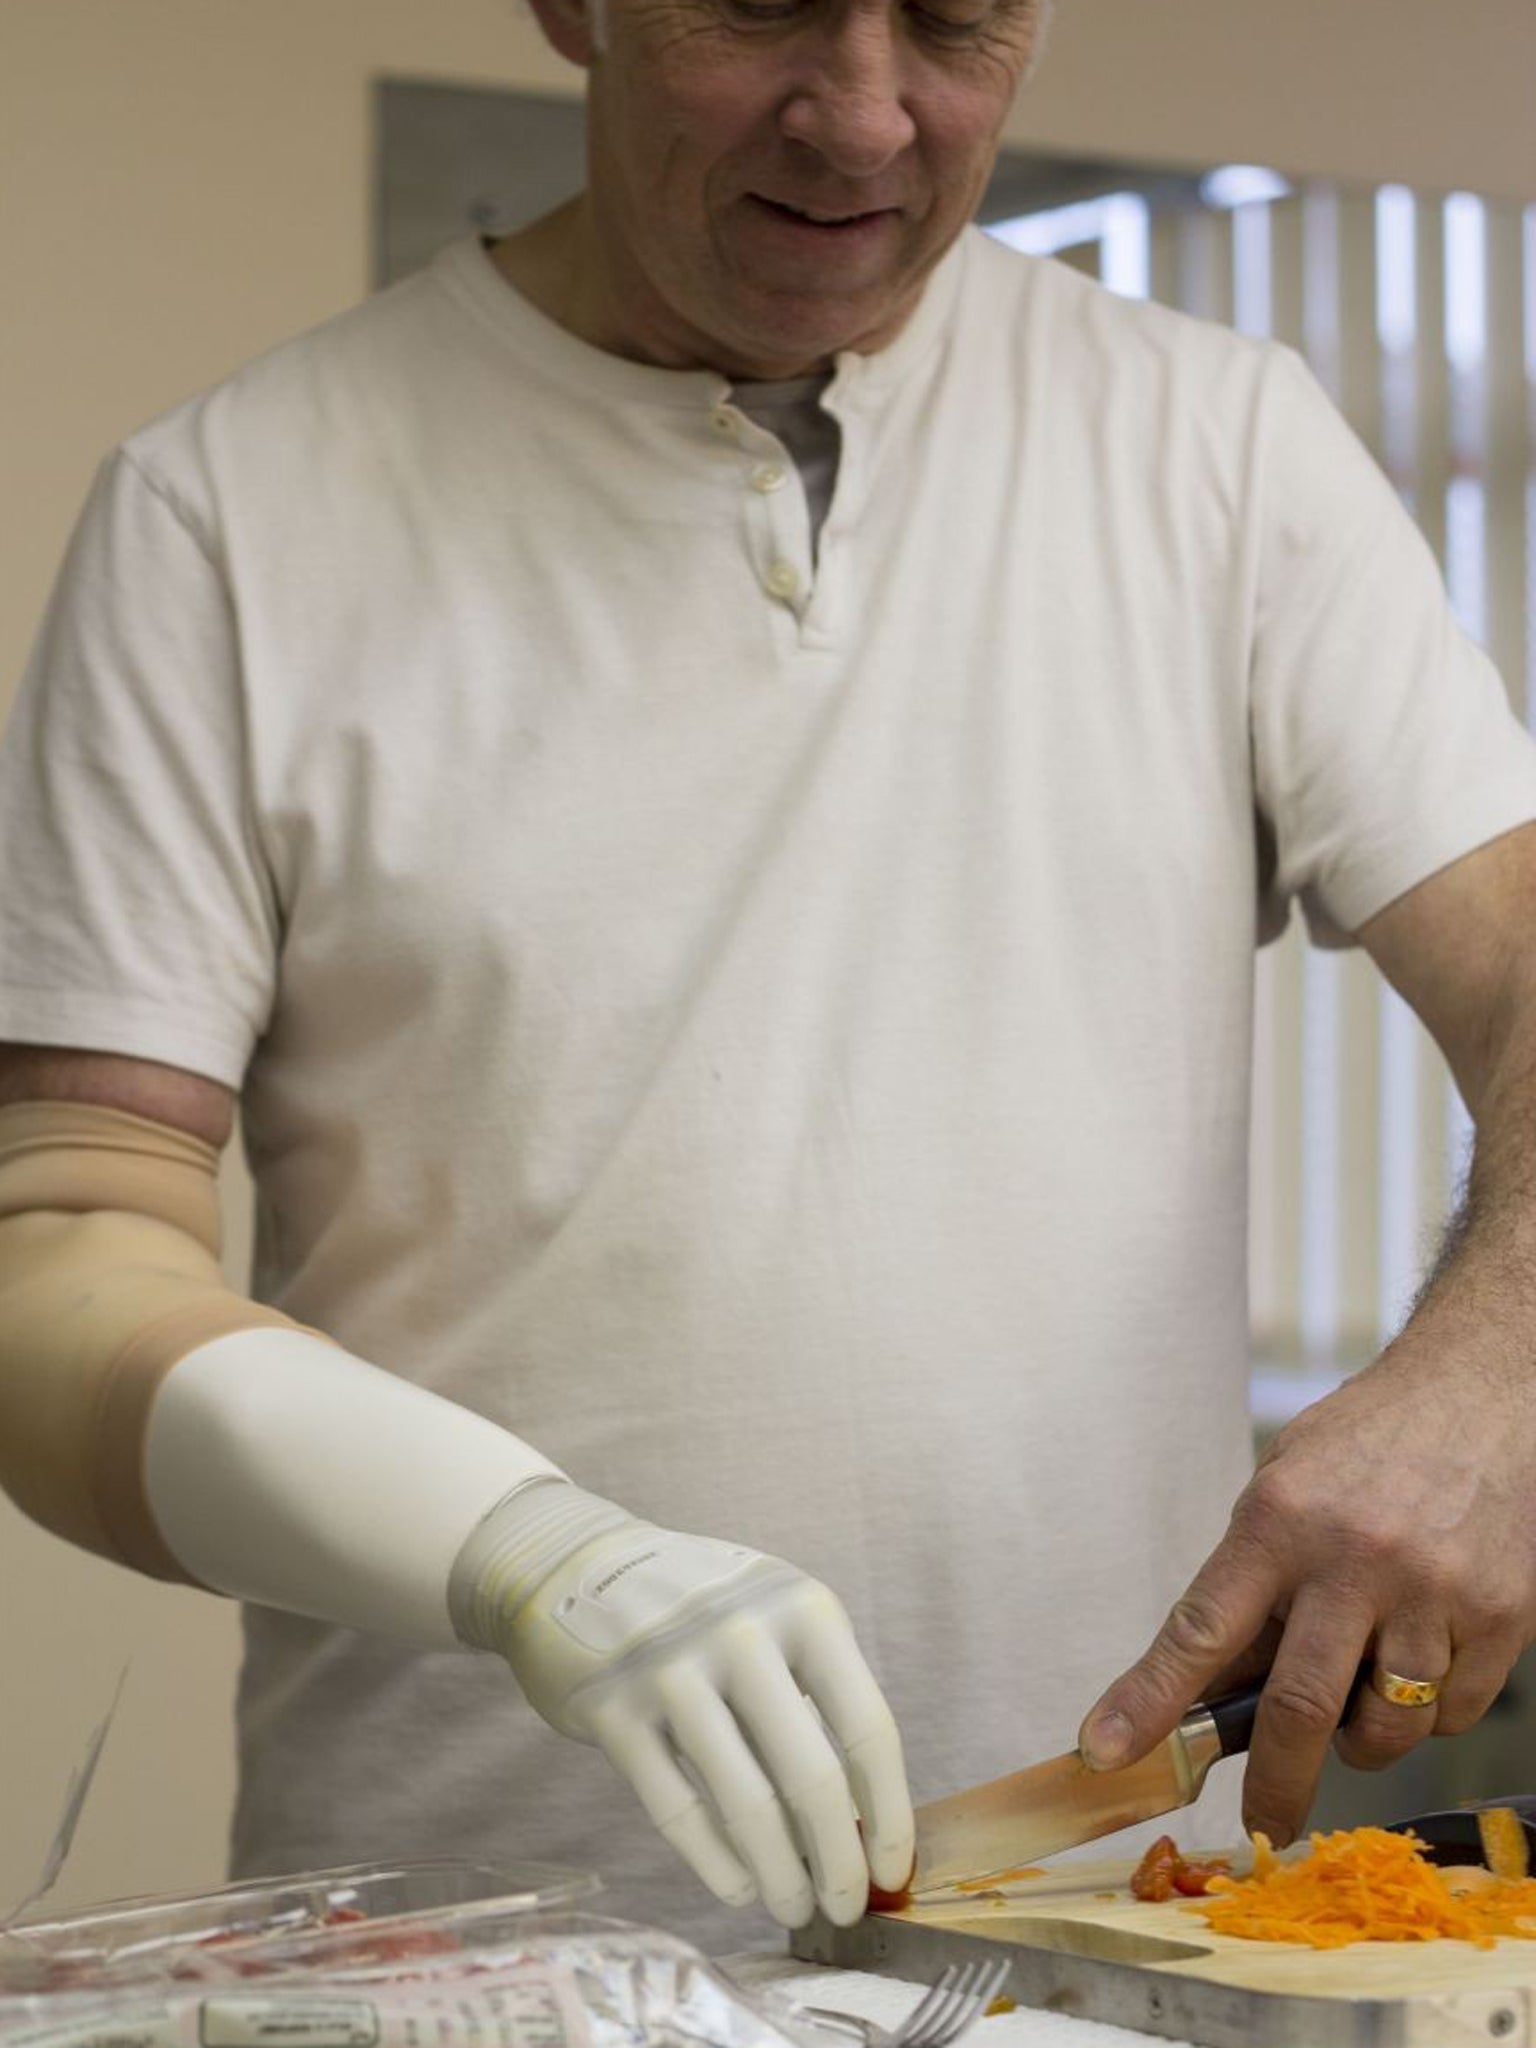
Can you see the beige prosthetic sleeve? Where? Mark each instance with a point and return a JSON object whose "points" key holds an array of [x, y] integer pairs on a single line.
{"points": [[109, 1273]]}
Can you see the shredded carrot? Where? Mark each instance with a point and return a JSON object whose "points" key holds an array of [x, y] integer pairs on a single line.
{"points": [[1505, 1848], [1364, 1884]]}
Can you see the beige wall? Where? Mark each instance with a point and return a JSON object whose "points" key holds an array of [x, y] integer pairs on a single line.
{"points": [[182, 181], [1420, 91]]}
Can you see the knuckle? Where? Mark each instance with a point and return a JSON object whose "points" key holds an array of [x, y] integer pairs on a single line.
{"points": [[1369, 1555], [1358, 1538], [1376, 1749], [1437, 1588], [1297, 1704], [1487, 1611], [1400, 1741], [1394, 1731], [1374, 1553], [874, 1745], [820, 1805], [818, 1607], [1195, 1629], [1275, 1499], [1261, 1515]]}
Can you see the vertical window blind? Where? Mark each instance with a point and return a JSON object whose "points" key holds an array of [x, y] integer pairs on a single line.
{"points": [[1418, 313]]}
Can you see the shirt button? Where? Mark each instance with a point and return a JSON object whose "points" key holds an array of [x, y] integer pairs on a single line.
{"points": [[770, 477], [783, 579], [723, 420]]}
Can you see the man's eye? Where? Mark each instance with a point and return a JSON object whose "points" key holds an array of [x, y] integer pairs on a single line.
{"points": [[948, 27], [764, 11]]}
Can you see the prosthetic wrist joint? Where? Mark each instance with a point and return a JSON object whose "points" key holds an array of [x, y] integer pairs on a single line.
{"points": [[571, 1589]]}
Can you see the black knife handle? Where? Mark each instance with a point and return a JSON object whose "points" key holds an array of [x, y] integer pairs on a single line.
{"points": [[1233, 1713]]}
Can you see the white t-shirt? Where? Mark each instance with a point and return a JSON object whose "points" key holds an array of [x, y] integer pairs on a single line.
{"points": [[775, 1034]]}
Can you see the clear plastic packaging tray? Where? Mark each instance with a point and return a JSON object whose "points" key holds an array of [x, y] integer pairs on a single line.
{"points": [[287, 1966], [309, 1921]]}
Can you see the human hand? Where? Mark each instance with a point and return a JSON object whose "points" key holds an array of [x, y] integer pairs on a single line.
{"points": [[1397, 1517], [724, 1684]]}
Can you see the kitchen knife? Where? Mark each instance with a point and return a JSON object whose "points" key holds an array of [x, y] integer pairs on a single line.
{"points": [[1017, 1820], [1453, 1836]]}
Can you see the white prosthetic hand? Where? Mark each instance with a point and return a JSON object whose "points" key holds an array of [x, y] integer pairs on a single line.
{"points": [[724, 1684]]}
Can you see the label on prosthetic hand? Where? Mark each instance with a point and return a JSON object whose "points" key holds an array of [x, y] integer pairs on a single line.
{"points": [[639, 1584]]}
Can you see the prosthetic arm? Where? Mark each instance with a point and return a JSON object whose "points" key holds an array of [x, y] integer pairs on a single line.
{"points": [[152, 1415]]}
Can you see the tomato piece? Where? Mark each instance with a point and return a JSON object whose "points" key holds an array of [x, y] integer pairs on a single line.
{"points": [[1164, 1871], [1193, 1880], [882, 1901], [1153, 1876]]}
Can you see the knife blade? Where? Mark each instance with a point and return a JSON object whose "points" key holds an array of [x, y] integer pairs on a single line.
{"points": [[1017, 1820]]}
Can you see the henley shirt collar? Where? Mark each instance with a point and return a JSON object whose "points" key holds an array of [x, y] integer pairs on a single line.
{"points": [[465, 270]]}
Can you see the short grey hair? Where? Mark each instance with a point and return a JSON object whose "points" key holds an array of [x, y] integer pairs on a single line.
{"points": [[1045, 14]]}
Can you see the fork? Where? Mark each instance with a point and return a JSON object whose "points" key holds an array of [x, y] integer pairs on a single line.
{"points": [[960, 1994]]}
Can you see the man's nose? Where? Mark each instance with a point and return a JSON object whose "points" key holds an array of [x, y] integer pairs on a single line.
{"points": [[849, 105]]}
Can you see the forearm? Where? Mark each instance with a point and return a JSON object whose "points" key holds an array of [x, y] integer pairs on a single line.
{"points": [[1483, 1280], [1458, 950], [1394, 1518], [150, 1413], [284, 1471], [109, 1272]]}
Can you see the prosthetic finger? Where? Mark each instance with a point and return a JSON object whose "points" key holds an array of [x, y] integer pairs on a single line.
{"points": [[707, 1734], [807, 1773], [830, 1666], [640, 1753]]}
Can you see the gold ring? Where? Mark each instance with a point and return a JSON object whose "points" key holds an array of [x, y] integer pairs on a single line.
{"points": [[1404, 1692]]}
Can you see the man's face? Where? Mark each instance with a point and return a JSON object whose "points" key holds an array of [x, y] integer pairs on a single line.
{"points": [[773, 180]]}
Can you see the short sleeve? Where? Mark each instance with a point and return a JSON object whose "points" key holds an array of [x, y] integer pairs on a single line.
{"points": [[1384, 743], [136, 913]]}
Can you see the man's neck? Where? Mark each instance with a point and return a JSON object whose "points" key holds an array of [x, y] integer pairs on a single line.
{"points": [[556, 266], [538, 262]]}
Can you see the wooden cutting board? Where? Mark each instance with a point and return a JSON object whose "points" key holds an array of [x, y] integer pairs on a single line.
{"points": [[1082, 1945]]}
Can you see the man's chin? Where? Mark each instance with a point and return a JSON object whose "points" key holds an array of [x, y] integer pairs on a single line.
{"points": [[789, 331]]}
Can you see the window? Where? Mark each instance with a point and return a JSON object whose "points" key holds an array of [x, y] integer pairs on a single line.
{"points": [[1419, 315]]}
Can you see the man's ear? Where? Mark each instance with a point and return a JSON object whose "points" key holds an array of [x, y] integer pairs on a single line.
{"points": [[572, 28]]}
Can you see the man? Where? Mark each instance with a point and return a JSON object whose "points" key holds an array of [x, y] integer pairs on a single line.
{"points": [[736, 972]]}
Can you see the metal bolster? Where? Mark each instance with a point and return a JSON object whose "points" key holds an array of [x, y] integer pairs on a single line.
{"points": [[1198, 1748]]}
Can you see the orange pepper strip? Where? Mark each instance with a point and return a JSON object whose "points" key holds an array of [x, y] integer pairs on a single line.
{"points": [[1505, 1848]]}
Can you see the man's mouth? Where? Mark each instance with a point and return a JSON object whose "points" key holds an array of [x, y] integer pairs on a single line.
{"points": [[823, 217]]}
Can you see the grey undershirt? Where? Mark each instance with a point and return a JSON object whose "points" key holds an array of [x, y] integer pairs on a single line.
{"points": [[792, 412]]}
